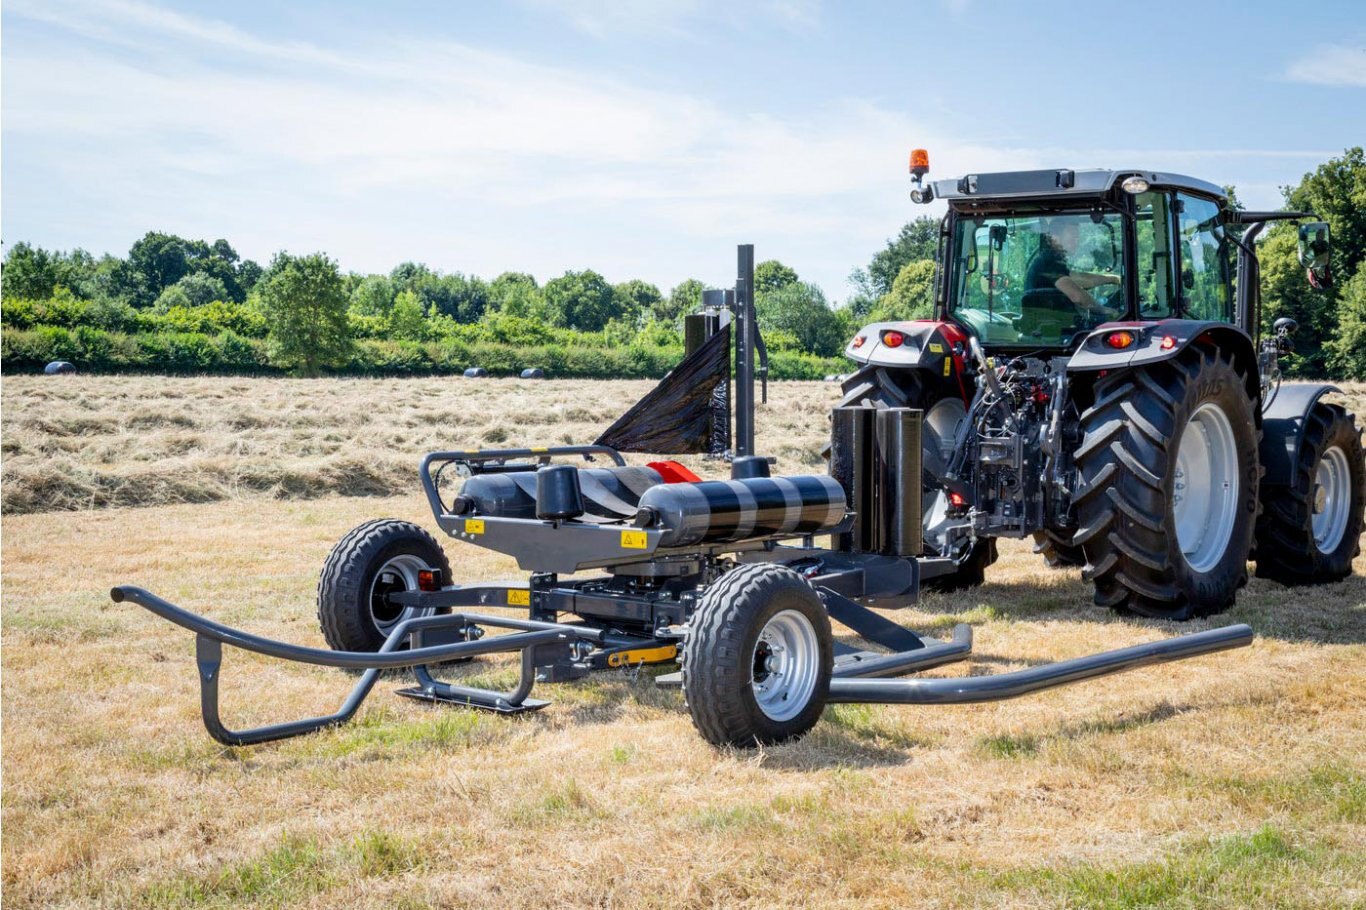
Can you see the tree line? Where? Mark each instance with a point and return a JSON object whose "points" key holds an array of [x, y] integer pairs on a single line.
{"points": [[176, 304]]}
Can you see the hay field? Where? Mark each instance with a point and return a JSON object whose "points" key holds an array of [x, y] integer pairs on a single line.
{"points": [[1234, 780]]}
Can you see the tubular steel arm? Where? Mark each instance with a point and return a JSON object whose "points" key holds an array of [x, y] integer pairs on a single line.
{"points": [[210, 637], [972, 689]]}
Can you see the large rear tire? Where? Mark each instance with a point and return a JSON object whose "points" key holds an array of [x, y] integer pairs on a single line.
{"points": [[1310, 529], [374, 559], [758, 658], [1167, 498]]}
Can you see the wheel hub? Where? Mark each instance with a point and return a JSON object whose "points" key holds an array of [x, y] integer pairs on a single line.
{"points": [[786, 665], [396, 575], [1205, 488], [1332, 499]]}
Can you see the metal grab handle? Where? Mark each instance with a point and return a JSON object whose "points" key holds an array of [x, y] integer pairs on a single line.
{"points": [[473, 456], [972, 689]]}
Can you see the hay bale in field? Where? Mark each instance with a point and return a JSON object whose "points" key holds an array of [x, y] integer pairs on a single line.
{"points": [[533, 373], [57, 367], [476, 373]]}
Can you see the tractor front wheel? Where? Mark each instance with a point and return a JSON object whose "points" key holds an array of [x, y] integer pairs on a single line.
{"points": [[758, 658], [1167, 498]]}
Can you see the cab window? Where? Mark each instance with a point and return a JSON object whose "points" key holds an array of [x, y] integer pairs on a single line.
{"points": [[1205, 257], [1157, 298]]}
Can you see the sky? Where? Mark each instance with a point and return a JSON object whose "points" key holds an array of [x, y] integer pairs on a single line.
{"points": [[639, 138]]}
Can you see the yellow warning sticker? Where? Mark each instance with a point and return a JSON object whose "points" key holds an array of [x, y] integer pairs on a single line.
{"points": [[474, 526], [642, 656], [948, 365], [540, 449], [517, 598], [936, 348], [634, 540]]}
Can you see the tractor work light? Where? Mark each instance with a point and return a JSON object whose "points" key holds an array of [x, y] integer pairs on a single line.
{"points": [[893, 339], [1120, 340], [1134, 185]]}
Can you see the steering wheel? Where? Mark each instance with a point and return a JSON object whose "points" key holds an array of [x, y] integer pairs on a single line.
{"points": [[1105, 307]]}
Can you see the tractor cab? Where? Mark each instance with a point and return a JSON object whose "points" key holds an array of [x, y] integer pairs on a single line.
{"points": [[1037, 260]]}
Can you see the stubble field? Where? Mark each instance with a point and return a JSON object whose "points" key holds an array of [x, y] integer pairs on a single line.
{"points": [[1233, 780]]}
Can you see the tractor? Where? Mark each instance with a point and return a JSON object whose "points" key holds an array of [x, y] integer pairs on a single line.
{"points": [[1095, 377]]}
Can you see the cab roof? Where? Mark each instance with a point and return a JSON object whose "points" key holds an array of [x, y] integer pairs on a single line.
{"points": [[1061, 183]]}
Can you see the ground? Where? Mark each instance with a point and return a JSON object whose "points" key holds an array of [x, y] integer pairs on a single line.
{"points": [[1233, 780]]}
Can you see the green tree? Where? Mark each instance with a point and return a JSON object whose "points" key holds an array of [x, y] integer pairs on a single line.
{"points": [[195, 289], [685, 298], [29, 273], [801, 311], [579, 300], [635, 301], [772, 275], [918, 240], [517, 294], [373, 296], [1347, 349], [407, 320], [304, 303], [911, 297]]}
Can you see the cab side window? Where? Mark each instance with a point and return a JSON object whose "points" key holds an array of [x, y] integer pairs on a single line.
{"points": [[1205, 255], [1157, 298]]}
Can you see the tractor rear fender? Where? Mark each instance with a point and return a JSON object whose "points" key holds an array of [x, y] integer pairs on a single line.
{"points": [[1161, 340], [1283, 428], [924, 343]]}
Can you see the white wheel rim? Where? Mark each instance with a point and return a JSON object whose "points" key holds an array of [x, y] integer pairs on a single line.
{"points": [[1205, 494], [398, 574], [785, 665], [1332, 500]]}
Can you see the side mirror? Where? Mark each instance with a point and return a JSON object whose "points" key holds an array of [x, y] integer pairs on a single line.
{"points": [[1314, 249], [1285, 326]]}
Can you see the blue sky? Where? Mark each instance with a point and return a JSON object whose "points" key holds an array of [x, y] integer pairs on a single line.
{"points": [[640, 139]]}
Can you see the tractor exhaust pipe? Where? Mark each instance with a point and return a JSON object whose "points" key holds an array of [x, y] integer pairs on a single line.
{"points": [[962, 691]]}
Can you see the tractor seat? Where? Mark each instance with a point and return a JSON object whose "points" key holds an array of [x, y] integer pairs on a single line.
{"points": [[610, 494]]}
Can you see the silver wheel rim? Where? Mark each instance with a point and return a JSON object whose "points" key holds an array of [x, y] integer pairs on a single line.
{"points": [[786, 664], [1332, 500], [398, 574], [1205, 494]]}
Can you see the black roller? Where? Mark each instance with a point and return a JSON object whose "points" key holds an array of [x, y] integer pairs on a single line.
{"points": [[726, 510], [558, 495]]}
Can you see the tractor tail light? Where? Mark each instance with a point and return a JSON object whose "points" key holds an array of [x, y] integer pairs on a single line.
{"points": [[957, 500], [1168, 342], [893, 339], [858, 341], [1119, 340]]}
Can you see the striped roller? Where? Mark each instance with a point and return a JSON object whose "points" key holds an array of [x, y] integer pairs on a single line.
{"points": [[727, 510]]}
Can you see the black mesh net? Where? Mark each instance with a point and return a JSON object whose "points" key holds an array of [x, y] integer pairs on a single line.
{"points": [[687, 413]]}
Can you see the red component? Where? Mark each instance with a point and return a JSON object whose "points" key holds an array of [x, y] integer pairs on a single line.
{"points": [[1168, 342], [858, 341], [1120, 340], [673, 472], [893, 339], [957, 499], [1040, 395], [428, 580]]}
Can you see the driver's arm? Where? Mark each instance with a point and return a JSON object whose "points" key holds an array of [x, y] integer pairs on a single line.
{"points": [[1089, 280], [1076, 293]]}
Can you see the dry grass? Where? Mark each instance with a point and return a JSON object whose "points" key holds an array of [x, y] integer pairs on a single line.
{"points": [[1230, 781], [92, 442]]}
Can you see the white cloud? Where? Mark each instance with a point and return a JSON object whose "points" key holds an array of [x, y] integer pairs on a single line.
{"points": [[1331, 64]]}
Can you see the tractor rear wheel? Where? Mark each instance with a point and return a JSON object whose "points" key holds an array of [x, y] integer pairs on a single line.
{"points": [[1310, 530], [758, 658], [373, 560], [1167, 496]]}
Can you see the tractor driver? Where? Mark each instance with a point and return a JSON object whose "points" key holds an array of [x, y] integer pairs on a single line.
{"points": [[1050, 269]]}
